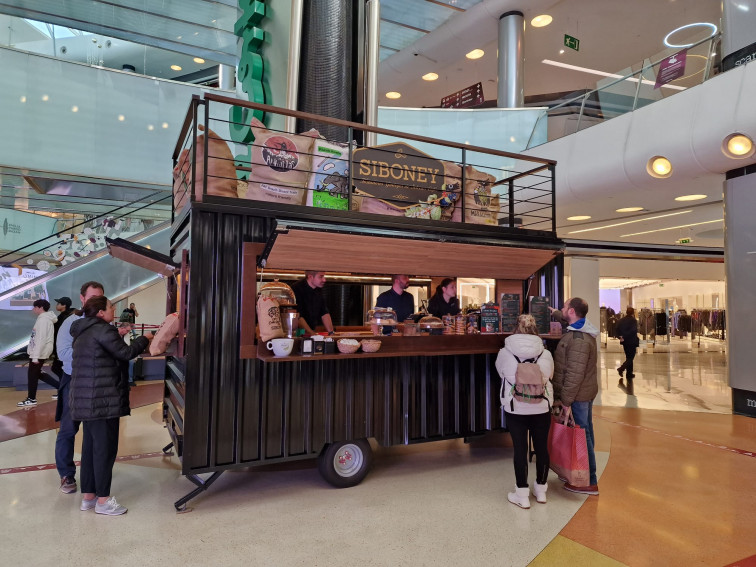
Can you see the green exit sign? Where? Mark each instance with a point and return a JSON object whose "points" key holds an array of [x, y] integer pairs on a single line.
{"points": [[684, 241], [571, 42]]}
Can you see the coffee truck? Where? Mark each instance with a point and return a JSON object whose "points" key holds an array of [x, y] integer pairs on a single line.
{"points": [[229, 402]]}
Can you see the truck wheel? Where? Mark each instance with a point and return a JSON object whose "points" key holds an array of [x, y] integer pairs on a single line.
{"points": [[345, 464]]}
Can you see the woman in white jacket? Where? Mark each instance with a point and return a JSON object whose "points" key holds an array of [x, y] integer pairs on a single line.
{"points": [[40, 348], [522, 416]]}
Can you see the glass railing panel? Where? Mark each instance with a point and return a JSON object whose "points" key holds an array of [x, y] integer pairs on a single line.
{"points": [[117, 277]]}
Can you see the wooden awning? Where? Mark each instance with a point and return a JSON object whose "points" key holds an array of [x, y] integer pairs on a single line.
{"points": [[296, 248], [142, 257]]}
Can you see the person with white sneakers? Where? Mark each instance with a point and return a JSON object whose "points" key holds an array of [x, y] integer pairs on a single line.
{"points": [[526, 368], [39, 349]]}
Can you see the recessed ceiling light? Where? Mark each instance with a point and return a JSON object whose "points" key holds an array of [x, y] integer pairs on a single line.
{"points": [[45, 98], [738, 146], [199, 60], [176, 67], [165, 125], [393, 94], [630, 222], [690, 197], [707, 25], [561, 51], [629, 209], [430, 77], [22, 99], [150, 127], [121, 118], [475, 54], [74, 108], [512, 139], [659, 167], [579, 217], [541, 21]]}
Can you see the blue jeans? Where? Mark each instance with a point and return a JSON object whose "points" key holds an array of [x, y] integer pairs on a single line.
{"points": [[583, 413], [64, 443]]}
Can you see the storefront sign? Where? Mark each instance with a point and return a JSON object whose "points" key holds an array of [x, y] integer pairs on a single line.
{"points": [[466, 98], [18, 228], [671, 68], [740, 57], [397, 173], [571, 42], [15, 276], [510, 311]]}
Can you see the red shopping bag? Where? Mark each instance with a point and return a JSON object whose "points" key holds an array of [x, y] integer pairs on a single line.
{"points": [[568, 452]]}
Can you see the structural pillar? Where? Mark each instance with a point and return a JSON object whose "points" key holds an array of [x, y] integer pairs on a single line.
{"points": [[738, 33], [582, 280], [226, 77], [511, 92], [740, 269]]}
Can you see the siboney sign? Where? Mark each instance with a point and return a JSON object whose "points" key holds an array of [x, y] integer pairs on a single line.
{"points": [[397, 173]]}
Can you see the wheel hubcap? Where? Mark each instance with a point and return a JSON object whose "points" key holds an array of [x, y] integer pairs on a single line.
{"points": [[348, 460]]}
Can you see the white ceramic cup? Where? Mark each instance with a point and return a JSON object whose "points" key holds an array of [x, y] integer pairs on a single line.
{"points": [[281, 347]]}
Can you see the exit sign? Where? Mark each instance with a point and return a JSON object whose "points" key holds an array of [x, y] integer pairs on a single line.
{"points": [[571, 42], [684, 241]]}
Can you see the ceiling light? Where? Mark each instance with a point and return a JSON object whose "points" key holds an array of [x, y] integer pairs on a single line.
{"points": [[629, 210], [393, 94], [631, 222], [150, 127], [579, 217], [165, 125], [121, 118], [45, 97], [22, 99], [738, 146], [561, 51], [176, 67], [610, 75], [659, 167], [475, 54], [74, 108], [708, 25], [541, 21], [199, 60], [671, 228], [512, 139], [690, 197], [430, 77]]}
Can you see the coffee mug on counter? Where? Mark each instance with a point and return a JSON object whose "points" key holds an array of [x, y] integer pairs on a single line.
{"points": [[281, 347]]}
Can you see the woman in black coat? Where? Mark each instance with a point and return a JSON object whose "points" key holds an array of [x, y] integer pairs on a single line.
{"points": [[99, 397], [444, 301]]}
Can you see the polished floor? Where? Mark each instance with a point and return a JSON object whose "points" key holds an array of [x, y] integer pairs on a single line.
{"points": [[677, 477]]}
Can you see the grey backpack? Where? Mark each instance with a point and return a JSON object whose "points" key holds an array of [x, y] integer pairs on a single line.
{"points": [[529, 386]]}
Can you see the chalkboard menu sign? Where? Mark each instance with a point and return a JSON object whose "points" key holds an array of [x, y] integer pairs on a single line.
{"points": [[510, 310], [489, 318], [539, 309]]}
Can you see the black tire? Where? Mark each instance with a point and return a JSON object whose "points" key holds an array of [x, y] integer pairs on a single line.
{"points": [[346, 463]]}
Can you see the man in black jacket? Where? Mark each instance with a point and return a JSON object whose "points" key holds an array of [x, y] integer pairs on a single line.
{"points": [[627, 331]]}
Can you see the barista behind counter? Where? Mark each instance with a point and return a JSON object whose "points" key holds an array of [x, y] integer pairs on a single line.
{"points": [[312, 307], [398, 299], [444, 301]]}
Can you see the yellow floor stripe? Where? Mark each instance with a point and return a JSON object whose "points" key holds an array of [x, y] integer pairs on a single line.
{"points": [[564, 551]]}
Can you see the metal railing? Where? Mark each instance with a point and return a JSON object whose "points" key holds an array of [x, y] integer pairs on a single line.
{"points": [[450, 183], [627, 92]]}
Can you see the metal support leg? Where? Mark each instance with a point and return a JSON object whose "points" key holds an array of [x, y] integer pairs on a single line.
{"points": [[202, 485], [168, 447]]}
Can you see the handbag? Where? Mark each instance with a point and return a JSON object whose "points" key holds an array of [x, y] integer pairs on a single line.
{"points": [[568, 451]]}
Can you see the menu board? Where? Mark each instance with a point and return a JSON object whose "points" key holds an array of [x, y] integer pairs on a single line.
{"points": [[539, 309], [489, 318], [510, 310]]}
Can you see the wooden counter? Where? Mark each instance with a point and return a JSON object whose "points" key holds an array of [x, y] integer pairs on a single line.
{"points": [[395, 346]]}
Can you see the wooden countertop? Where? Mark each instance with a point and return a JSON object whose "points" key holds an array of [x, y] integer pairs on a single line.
{"points": [[395, 346]]}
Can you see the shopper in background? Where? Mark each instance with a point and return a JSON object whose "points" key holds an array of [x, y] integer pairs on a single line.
{"points": [[64, 442], [64, 309], [576, 378], [444, 301], [39, 349], [525, 346], [627, 331], [99, 398]]}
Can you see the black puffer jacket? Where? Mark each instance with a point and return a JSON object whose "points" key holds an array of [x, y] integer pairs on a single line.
{"points": [[98, 388]]}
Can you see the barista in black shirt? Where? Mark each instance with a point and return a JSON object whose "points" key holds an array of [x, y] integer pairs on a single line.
{"points": [[444, 301], [397, 298], [312, 307]]}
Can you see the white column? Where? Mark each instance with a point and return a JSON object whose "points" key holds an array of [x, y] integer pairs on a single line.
{"points": [[582, 280], [511, 89]]}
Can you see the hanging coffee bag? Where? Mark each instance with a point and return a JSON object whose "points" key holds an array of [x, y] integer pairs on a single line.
{"points": [[269, 318]]}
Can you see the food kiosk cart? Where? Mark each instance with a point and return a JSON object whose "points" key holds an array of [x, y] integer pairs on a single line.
{"points": [[229, 403]]}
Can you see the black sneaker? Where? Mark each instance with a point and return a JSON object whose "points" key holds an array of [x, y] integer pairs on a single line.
{"points": [[28, 402], [620, 370], [68, 485]]}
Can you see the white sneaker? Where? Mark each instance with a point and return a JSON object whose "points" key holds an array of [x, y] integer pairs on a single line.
{"points": [[87, 504], [111, 508], [27, 402], [539, 491], [520, 497]]}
